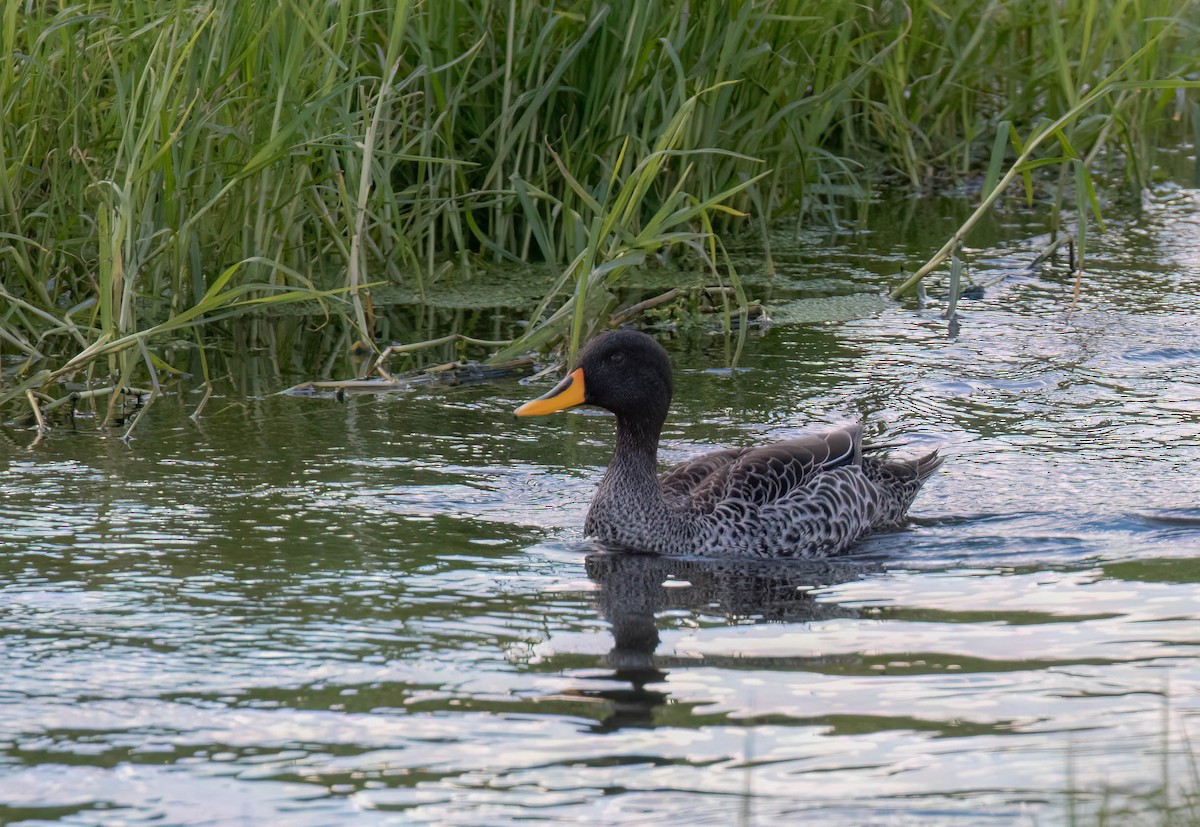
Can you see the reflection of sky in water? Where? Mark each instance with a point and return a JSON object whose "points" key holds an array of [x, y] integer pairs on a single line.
{"points": [[312, 613]]}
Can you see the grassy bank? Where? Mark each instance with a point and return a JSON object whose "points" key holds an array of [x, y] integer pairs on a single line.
{"points": [[164, 165]]}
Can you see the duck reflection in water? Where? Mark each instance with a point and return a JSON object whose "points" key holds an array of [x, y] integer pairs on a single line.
{"points": [[632, 589]]}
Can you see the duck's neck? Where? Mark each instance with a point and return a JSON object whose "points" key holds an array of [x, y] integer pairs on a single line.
{"points": [[635, 455], [630, 508]]}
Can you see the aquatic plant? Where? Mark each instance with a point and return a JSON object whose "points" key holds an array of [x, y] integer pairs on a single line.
{"points": [[1078, 143], [165, 165], [1170, 801]]}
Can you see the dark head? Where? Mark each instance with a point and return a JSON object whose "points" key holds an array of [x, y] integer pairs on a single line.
{"points": [[624, 371]]}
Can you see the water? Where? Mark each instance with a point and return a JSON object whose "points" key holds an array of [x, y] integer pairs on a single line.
{"points": [[305, 612]]}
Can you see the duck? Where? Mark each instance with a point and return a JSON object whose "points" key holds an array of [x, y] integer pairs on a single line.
{"points": [[813, 496]]}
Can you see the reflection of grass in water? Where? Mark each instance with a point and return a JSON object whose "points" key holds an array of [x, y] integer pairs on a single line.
{"points": [[1155, 570]]}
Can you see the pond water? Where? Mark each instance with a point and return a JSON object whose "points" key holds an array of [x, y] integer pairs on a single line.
{"points": [[307, 612]]}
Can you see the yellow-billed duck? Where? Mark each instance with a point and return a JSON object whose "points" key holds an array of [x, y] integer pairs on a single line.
{"points": [[812, 496]]}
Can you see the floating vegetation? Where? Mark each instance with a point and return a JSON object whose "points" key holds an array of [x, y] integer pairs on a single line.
{"points": [[449, 374]]}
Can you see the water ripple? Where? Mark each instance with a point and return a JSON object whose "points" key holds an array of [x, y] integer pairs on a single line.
{"points": [[307, 612]]}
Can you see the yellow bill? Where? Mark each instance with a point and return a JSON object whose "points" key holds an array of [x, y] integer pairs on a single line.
{"points": [[566, 394]]}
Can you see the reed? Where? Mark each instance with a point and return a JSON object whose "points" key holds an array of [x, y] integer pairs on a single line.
{"points": [[167, 163]]}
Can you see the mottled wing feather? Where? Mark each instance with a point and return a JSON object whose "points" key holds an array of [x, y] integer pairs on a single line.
{"points": [[765, 474], [683, 478]]}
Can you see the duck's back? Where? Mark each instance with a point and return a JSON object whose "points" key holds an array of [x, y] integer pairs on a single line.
{"points": [[808, 497], [764, 473]]}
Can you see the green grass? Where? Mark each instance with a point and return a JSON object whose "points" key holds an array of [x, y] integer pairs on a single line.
{"points": [[165, 164], [1173, 801]]}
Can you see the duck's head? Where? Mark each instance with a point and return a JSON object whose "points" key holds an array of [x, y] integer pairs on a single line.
{"points": [[624, 371]]}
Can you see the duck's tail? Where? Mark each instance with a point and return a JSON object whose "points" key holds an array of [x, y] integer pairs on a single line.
{"points": [[901, 479], [926, 465]]}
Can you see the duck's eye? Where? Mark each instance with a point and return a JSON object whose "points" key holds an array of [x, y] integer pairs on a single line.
{"points": [[616, 357]]}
